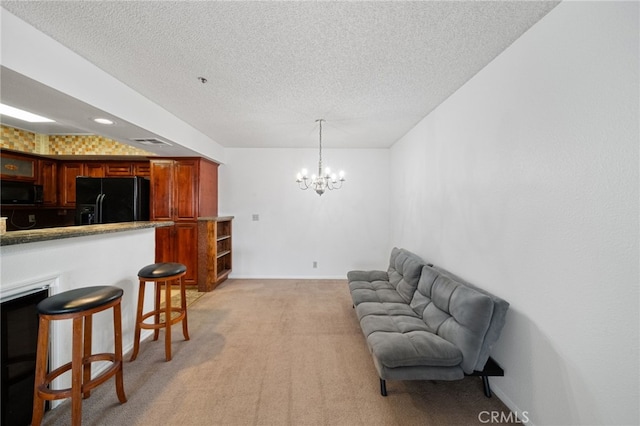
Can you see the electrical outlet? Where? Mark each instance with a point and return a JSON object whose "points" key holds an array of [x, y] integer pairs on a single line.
{"points": [[32, 218], [315, 264], [255, 217]]}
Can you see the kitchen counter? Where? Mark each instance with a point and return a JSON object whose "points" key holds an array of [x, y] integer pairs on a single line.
{"points": [[67, 258], [215, 218], [46, 234]]}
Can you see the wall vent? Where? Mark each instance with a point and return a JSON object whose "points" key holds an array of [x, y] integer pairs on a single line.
{"points": [[151, 141]]}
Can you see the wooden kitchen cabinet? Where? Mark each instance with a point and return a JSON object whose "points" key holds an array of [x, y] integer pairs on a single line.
{"points": [[14, 166], [118, 169], [67, 183], [161, 190], [185, 186], [93, 170], [186, 245], [142, 169], [179, 243], [48, 178], [127, 169], [181, 191]]}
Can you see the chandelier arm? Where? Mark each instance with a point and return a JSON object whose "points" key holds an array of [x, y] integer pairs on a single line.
{"points": [[337, 185]]}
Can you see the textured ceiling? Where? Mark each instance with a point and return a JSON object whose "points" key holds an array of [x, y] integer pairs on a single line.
{"points": [[371, 69]]}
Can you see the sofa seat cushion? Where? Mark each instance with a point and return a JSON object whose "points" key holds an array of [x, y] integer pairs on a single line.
{"points": [[384, 308], [370, 285], [392, 324], [413, 348], [367, 276], [362, 295]]}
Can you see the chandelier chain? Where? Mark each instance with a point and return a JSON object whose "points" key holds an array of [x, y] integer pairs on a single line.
{"points": [[320, 120]]}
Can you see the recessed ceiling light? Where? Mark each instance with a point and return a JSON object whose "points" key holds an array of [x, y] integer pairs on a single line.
{"points": [[23, 115], [103, 121]]}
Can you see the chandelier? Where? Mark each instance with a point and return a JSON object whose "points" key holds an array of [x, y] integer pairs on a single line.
{"points": [[324, 180]]}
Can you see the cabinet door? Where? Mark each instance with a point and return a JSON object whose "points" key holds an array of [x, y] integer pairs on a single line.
{"points": [[186, 184], [161, 192], [67, 183], [142, 169], [17, 167], [94, 170], [179, 243], [118, 169], [165, 247], [48, 178], [186, 243]]}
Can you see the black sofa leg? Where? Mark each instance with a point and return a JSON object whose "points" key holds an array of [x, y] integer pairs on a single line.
{"points": [[383, 387], [487, 388]]}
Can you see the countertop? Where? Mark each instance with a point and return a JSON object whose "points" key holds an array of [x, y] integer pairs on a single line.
{"points": [[216, 218], [46, 234]]}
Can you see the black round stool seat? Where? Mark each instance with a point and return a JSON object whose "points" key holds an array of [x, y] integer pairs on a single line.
{"points": [[161, 270], [78, 300]]}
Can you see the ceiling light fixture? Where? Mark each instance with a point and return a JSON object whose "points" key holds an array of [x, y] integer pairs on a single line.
{"points": [[321, 182], [104, 121], [23, 115]]}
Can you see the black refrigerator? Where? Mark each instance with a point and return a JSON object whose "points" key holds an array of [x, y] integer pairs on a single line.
{"points": [[110, 200]]}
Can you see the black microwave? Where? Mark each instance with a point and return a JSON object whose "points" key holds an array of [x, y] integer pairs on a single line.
{"points": [[20, 193]]}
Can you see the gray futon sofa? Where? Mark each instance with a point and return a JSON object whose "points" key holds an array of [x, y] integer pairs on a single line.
{"points": [[424, 323]]}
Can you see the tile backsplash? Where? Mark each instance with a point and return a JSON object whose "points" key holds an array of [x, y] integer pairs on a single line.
{"points": [[17, 140], [24, 141]]}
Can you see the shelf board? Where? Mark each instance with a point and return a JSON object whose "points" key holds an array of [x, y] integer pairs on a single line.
{"points": [[223, 253], [223, 274], [224, 237]]}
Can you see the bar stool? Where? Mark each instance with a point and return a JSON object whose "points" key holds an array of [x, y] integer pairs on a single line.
{"points": [[79, 304], [161, 274]]}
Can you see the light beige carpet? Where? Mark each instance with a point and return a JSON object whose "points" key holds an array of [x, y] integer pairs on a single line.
{"points": [[192, 294], [274, 352]]}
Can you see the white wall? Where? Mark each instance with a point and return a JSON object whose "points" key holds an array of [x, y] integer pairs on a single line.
{"points": [[341, 230], [525, 182]]}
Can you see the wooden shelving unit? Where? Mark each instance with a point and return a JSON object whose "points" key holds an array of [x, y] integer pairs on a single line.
{"points": [[214, 251]]}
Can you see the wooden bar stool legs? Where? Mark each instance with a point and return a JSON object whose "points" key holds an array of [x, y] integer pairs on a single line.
{"points": [[78, 305], [161, 274]]}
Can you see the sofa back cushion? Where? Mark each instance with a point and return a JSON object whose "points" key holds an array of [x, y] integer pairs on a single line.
{"points": [[422, 296], [455, 312], [404, 273], [498, 318], [392, 272]]}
